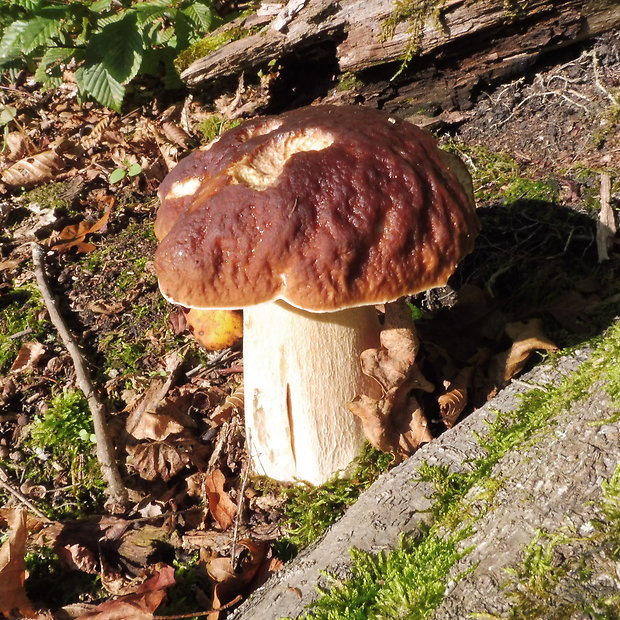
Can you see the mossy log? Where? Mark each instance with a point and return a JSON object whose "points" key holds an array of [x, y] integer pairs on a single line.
{"points": [[453, 45]]}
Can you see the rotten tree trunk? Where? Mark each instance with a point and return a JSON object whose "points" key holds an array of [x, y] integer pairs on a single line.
{"points": [[459, 45]]}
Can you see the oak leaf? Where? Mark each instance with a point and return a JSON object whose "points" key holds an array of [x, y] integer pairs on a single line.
{"points": [[74, 236]]}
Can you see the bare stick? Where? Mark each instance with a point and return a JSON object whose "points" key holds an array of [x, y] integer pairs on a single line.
{"points": [[4, 483], [105, 450]]}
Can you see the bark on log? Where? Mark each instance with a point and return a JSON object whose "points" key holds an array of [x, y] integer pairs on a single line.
{"points": [[459, 46]]}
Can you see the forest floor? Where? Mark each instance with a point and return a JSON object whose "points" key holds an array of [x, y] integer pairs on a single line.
{"points": [[82, 182]]}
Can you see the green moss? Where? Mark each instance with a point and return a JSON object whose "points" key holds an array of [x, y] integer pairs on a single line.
{"points": [[386, 586], [498, 175], [310, 510], [45, 572], [215, 125], [415, 13], [210, 44], [62, 444], [22, 311], [408, 582], [348, 82], [51, 196]]}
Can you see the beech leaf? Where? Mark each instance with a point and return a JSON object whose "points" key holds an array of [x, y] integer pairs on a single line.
{"points": [[215, 329], [74, 236], [221, 507], [13, 567]]}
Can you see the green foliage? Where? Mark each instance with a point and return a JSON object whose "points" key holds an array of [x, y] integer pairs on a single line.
{"points": [[215, 125], [111, 42], [127, 170], [310, 510], [62, 441], [21, 311], [45, 572], [499, 175], [408, 582], [208, 45]]}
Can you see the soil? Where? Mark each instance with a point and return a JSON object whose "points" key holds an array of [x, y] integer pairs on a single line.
{"points": [[536, 258]]}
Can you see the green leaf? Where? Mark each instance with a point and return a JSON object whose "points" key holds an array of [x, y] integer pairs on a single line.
{"points": [[149, 11], [9, 44], [119, 48], [95, 80], [117, 175], [134, 170], [100, 6], [201, 15], [49, 72], [39, 32]]}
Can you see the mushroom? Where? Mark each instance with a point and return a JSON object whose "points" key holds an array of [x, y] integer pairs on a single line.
{"points": [[306, 220]]}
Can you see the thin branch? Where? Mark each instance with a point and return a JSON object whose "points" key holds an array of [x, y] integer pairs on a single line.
{"points": [[5, 484], [105, 450]]}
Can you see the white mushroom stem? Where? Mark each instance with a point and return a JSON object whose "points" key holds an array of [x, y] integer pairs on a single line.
{"points": [[301, 370]]}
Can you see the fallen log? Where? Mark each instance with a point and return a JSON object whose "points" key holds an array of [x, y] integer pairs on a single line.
{"points": [[451, 46]]}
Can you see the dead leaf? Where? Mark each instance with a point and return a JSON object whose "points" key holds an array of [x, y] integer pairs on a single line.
{"points": [[527, 337], [234, 403], [74, 236], [156, 459], [454, 399], [78, 557], [215, 329], [221, 507], [29, 355], [33, 169], [175, 134], [138, 606], [231, 581], [13, 567], [16, 143], [394, 422]]}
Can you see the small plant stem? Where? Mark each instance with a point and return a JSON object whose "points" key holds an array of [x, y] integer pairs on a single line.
{"points": [[4, 483], [233, 552], [117, 492]]}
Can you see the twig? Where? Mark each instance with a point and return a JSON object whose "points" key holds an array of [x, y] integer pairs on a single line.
{"points": [[244, 481], [105, 450], [4, 483]]}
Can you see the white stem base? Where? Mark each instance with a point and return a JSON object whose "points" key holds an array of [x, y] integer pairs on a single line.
{"points": [[301, 370]]}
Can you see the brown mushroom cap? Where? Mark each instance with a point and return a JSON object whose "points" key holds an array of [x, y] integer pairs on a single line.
{"points": [[325, 207]]}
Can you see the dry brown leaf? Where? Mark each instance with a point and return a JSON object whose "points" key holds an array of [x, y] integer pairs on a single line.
{"points": [[454, 400], [527, 337], [78, 557], [33, 169], [156, 426], [234, 403], [394, 422], [221, 507], [156, 459], [231, 581], [138, 606], [29, 355], [215, 329], [13, 567], [175, 134], [16, 143], [74, 236]]}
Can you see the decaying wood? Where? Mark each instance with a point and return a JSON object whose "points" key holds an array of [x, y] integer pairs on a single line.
{"points": [[464, 44]]}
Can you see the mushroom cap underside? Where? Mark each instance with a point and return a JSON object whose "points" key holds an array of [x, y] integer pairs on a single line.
{"points": [[324, 207]]}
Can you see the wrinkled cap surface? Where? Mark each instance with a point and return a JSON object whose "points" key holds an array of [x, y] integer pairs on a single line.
{"points": [[325, 207]]}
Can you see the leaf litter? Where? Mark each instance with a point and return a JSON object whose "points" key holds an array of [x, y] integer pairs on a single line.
{"points": [[178, 421]]}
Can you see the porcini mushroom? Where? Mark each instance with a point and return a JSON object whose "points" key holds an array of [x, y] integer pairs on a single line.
{"points": [[306, 221]]}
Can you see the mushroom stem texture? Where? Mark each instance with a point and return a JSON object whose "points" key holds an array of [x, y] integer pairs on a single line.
{"points": [[301, 370]]}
